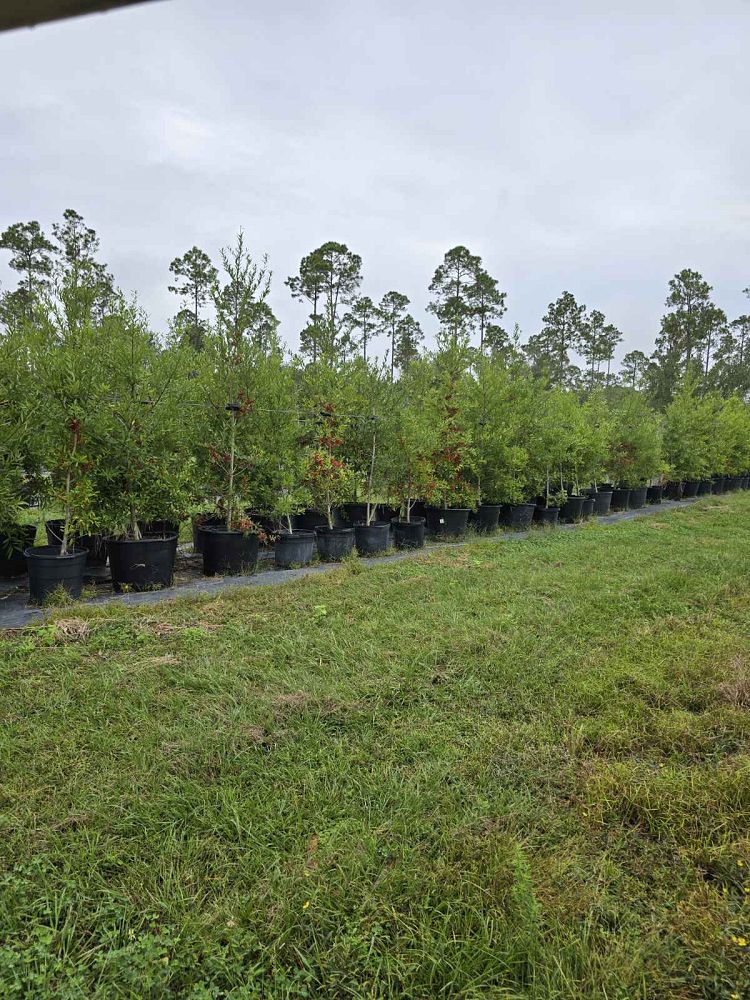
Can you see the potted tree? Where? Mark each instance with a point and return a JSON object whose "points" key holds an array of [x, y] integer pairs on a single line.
{"points": [[499, 418], [328, 479], [17, 459], [453, 491], [368, 448], [15, 535], [281, 463], [732, 434], [688, 450], [233, 450], [144, 482], [548, 454], [239, 369], [636, 455], [411, 470], [71, 384], [595, 433]]}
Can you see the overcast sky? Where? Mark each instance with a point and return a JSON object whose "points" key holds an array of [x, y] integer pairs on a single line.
{"points": [[594, 147]]}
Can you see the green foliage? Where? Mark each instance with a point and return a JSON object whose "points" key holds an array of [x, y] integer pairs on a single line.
{"points": [[636, 454], [732, 431], [689, 438], [31, 256], [548, 351], [595, 431], [328, 279], [66, 353], [689, 330], [363, 323], [144, 468], [454, 460], [415, 438], [369, 440], [556, 453], [596, 343], [195, 278], [328, 477], [501, 411]]}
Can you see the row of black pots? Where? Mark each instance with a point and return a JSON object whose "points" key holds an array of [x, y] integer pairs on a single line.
{"points": [[135, 564], [95, 544], [232, 552], [148, 563], [296, 548], [346, 516], [688, 488]]}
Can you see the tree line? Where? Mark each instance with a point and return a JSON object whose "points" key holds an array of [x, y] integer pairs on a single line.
{"points": [[696, 339]]}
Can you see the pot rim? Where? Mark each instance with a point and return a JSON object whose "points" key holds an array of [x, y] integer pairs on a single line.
{"points": [[48, 552], [220, 529], [166, 537]]}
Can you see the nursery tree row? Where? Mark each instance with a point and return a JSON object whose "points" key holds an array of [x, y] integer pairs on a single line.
{"points": [[115, 427]]}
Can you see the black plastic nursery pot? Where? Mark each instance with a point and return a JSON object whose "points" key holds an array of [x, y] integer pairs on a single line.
{"points": [[200, 523], [448, 521], [161, 526], [49, 571], [408, 534], [705, 487], [718, 484], [733, 482], [602, 501], [334, 544], [418, 509], [638, 497], [487, 517], [572, 509], [309, 520], [143, 563], [95, 545], [746, 482], [353, 513], [546, 515], [690, 488], [518, 516], [387, 513], [620, 498], [673, 490], [294, 548], [228, 553], [373, 538], [12, 549], [587, 509], [655, 494]]}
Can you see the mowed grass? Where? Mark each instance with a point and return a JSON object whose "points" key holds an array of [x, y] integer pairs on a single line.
{"points": [[499, 770]]}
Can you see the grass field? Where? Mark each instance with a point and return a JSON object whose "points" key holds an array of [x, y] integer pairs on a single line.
{"points": [[499, 770]]}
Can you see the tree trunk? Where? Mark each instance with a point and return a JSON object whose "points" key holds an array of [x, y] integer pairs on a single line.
{"points": [[230, 492]]}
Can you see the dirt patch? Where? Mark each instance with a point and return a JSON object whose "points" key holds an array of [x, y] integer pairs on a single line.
{"points": [[162, 629], [160, 661], [292, 700], [71, 629], [736, 690]]}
